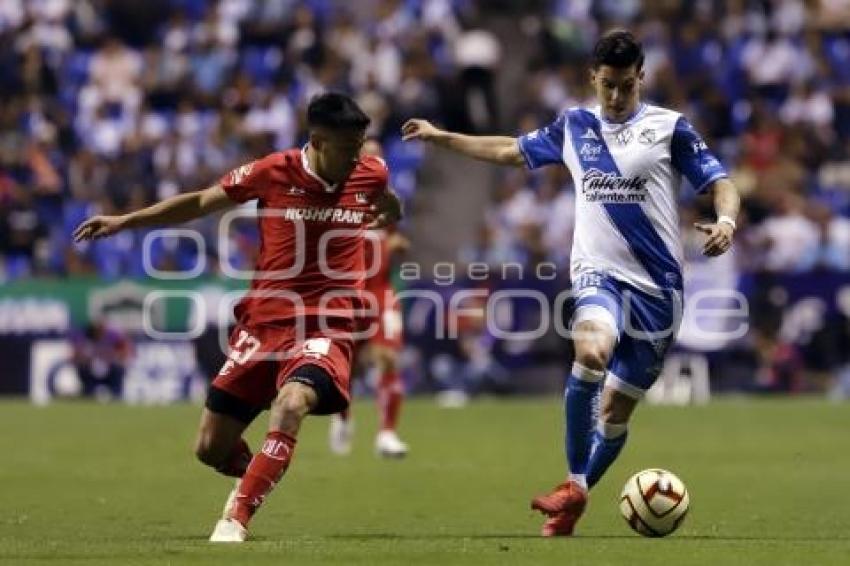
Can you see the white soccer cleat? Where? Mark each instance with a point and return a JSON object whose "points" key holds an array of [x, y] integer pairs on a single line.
{"points": [[229, 530], [340, 435], [389, 445]]}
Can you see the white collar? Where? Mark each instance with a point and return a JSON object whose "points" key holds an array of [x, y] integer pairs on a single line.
{"points": [[641, 108], [306, 164]]}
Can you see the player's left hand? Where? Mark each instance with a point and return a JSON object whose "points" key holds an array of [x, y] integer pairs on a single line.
{"points": [[386, 212], [719, 237]]}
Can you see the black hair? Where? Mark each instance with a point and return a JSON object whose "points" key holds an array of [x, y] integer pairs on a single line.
{"points": [[336, 111], [618, 48]]}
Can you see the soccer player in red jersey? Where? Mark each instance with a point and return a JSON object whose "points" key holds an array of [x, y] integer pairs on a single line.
{"points": [[382, 348], [292, 347]]}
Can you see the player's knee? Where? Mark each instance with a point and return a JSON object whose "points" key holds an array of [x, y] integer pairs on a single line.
{"points": [[388, 364], [293, 401], [207, 452], [593, 357], [610, 415], [616, 409], [383, 358]]}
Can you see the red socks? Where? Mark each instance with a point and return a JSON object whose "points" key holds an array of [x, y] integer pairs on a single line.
{"points": [[238, 460], [265, 470], [389, 399]]}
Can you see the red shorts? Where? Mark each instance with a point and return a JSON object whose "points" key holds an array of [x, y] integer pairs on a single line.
{"points": [[264, 357]]}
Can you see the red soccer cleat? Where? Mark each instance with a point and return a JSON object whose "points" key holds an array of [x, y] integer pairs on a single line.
{"points": [[561, 525], [564, 506], [568, 497]]}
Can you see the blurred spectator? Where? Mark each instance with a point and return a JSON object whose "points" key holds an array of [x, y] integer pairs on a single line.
{"points": [[762, 142], [788, 237], [556, 206], [378, 61], [114, 77], [832, 250], [772, 64], [100, 355], [478, 53], [808, 105], [514, 206], [486, 249], [20, 233], [780, 368], [86, 176]]}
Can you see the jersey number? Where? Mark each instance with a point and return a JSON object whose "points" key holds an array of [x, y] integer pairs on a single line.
{"points": [[241, 352]]}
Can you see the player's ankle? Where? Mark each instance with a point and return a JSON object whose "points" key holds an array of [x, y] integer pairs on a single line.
{"points": [[579, 480], [242, 515]]}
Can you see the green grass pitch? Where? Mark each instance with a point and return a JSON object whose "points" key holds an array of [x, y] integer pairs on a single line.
{"points": [[94, 484]]}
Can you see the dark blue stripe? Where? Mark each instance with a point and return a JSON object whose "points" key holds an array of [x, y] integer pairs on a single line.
{"points": [[692, 158], [629, 218]]}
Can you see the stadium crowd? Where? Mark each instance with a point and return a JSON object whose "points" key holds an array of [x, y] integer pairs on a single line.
{"points": [[111, 106]]}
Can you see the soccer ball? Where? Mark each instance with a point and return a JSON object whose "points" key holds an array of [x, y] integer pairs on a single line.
{"points": [[654, 502]]}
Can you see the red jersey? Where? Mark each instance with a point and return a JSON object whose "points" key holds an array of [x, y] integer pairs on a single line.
{"points": [[311, 259]]}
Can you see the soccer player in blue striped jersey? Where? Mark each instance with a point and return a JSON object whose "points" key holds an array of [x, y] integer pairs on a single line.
{"points": [[627, 160]]}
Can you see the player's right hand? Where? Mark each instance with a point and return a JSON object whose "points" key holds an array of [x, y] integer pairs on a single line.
{"points": [[98, 227], [417, 129]]}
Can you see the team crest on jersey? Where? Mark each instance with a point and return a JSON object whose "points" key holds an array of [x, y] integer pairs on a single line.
{"points": [[240, 173], [316, 347], [647, 136], [624, 137]]}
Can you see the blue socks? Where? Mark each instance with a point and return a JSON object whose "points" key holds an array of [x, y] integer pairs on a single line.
{"points": [[591, 448], [608, 441], [581, 400]]}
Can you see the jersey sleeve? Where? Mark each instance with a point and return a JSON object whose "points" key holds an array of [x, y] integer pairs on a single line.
{"points": [[692, 158], [545, 145], [382, 174], [249, 181]]}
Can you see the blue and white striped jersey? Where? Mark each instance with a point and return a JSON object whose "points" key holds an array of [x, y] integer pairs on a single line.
{"points": [[627, 178]]}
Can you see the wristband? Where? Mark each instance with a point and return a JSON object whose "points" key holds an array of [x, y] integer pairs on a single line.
{"points": [[727, 220]]}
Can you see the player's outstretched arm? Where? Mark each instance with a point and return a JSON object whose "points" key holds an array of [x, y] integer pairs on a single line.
{"points": [[495, 149], [175, 210], [727, 203]]}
